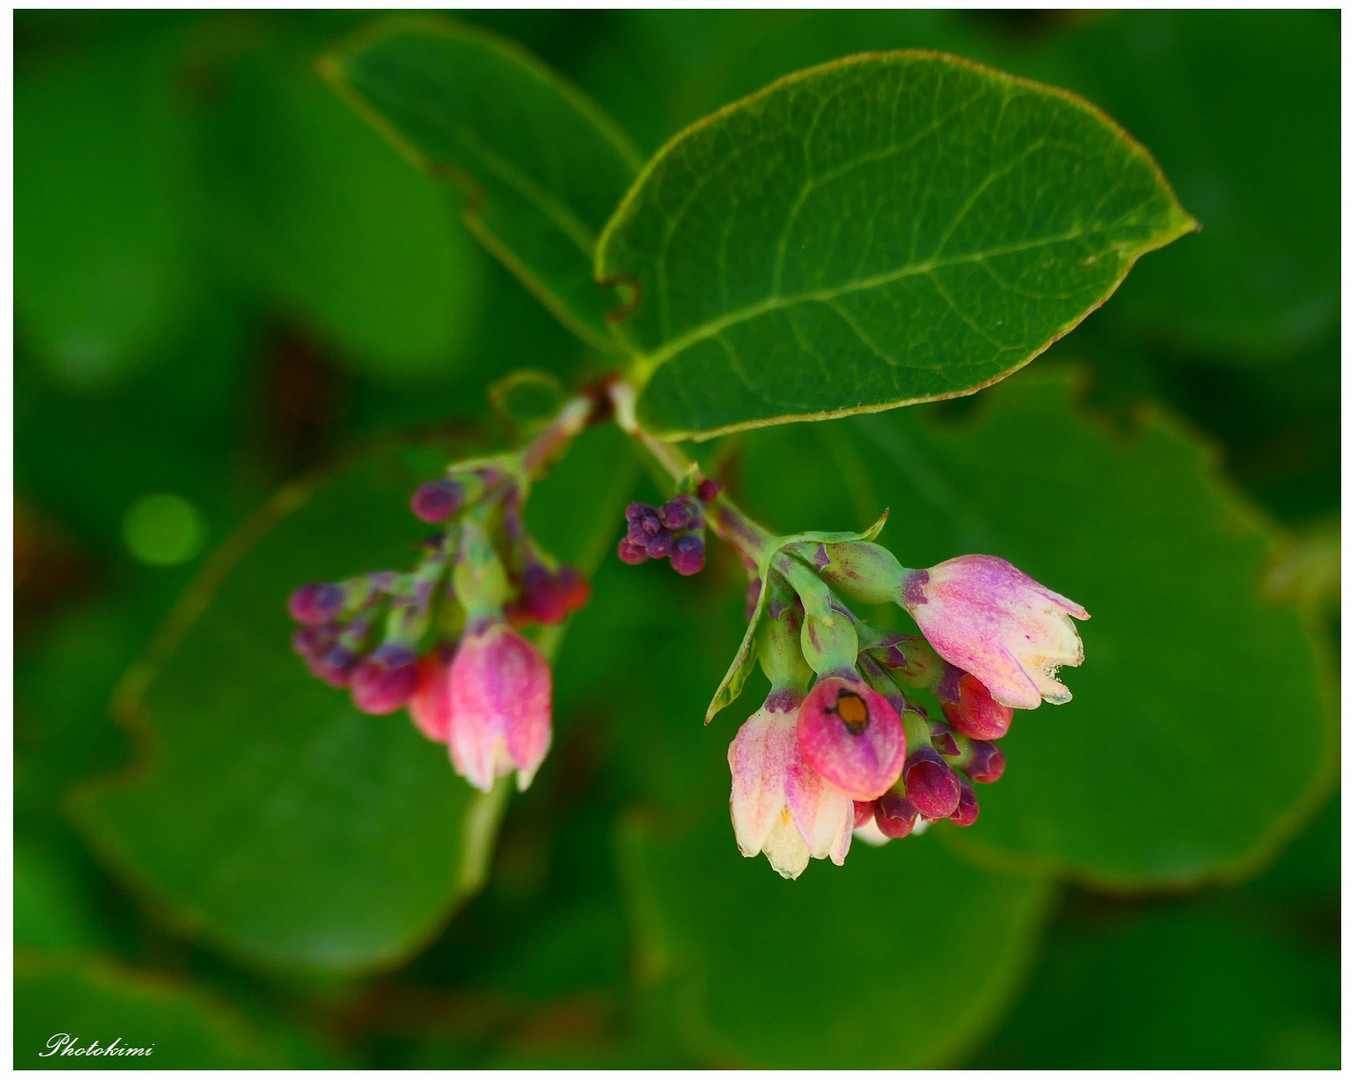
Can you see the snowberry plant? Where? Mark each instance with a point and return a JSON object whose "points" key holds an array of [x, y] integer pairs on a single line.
{"points": [[884, 230]]}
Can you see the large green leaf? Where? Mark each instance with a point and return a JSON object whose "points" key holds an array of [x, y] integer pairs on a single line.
{"points": [[1199, 732], [883, 230], [103, 1004], [102, 266], [310, 206], [542, 168], [267, 813], [901, 958]]}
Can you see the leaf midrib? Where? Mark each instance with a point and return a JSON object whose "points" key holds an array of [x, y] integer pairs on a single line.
{"points": [[648, 363]]}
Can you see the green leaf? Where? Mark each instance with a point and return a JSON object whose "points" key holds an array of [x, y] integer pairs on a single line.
{"points": [[1243, 113], [541, 167], [94, 1001], [1186, 988], [883, 230], [313, 210], [267, 813], [900, 958], [102, 274], [1199, 735]]}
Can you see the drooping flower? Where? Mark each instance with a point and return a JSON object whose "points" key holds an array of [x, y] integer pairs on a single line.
{"points": [[988, 618], [852, 737], [499, 704], [779, 804]]}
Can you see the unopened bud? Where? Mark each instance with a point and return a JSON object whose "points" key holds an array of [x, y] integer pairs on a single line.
{"points": [[436, 501], [633, 554], [860, 570], [968, 809], [895, 816], [317, 603], [931, 784], [386, 680], [681, 513], [986, 764], [689, 555], [659, 545], [975, 713]]}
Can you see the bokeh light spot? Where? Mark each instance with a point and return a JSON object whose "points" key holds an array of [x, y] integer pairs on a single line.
{"points": [[163, 529]]}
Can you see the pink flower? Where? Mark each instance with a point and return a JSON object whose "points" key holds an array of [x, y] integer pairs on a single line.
{"points": [[779, 804], [499, 705], [989, 618], [852, 737]]}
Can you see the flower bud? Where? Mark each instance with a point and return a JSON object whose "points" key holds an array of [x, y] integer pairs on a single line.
{"points": [[312, 642], [931, 784], [632, 554], [986, 764], [681, 513], [863, 812], [852, 737], [860, 570], [976, 714], [500, 695], [436, 501], [968, 809], [386, 680], [708, 490], [895, 815], [431, 703], [317, 603], [659, 545], [689, 555], [573, 586], [335, 666]]}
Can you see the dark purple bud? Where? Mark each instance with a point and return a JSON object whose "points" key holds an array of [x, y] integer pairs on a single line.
{"points": [[311, 642], [658, 546], [386, 680], [635, 511], [986, 764], [650, 522], [895, 816], [543, 599], [681, 513], [708, 490], [335, 666], [635, 554], [689, 555], [573, 586], [931, 784], [636, 534], [967, 809], [436, 501], [317, 603]]}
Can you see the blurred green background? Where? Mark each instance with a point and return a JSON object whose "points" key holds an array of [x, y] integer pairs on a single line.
{"points": [[224, 282]]}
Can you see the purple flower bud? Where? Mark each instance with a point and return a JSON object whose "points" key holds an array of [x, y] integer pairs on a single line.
{"points": [[336, 666], [931, 784], [317, 603], [708, 490], [689, 556], [895, 815], [967, 809], [659, 545], [436, 501], [650, 522], [386, 680], [986, 764], [635, 511], [634, 554], [636, 534], [312, 642], [681, 513]]}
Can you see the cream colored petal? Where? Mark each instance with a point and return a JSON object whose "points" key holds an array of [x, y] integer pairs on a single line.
{"points": [[786, 851]]}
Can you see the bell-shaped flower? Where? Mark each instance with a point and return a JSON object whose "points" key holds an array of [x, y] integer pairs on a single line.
{"points": [[779, 804], [852, 737], [499, 705], [988, 618]]}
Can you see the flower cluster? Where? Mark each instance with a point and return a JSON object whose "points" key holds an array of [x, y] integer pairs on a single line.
{"points": [[675, 531], [844, 744], [443, 638]]}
